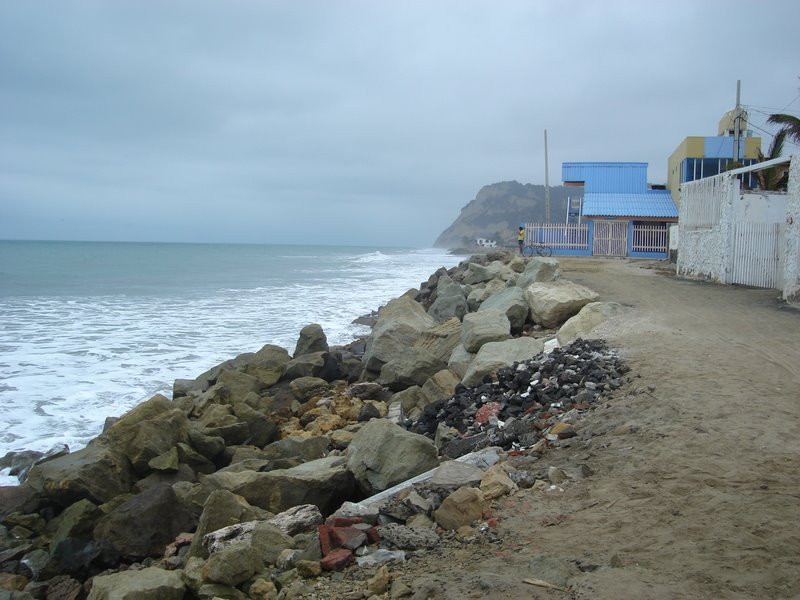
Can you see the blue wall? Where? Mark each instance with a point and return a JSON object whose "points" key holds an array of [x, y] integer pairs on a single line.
{"points": [[607, 177]]}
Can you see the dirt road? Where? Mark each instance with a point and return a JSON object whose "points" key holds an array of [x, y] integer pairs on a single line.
{"points": [[696, 464]]}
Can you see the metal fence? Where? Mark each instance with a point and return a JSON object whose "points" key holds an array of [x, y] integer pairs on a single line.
{"points": [[558, 236], [650, 237]]}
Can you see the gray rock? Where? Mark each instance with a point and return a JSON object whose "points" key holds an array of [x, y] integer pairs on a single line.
{"points": [[401, 537], [510, 301], [188, 387], [453, 474], [313, 364], [148, 430], [441, 386], [411, 400], [365, 390], [305, 388], [476, 273], [399, 325], [221, 509], [539, 269], [460, 360], [266, 539], [143, 525], [450, 300], [151, 584], [590, 316], [554, 302], [482, 327], [297, 519], [238, 384], [494, 355], [267, 365], [440, 339], [325, 482], [96, 472], [312, 339], [411, 367], [479, 295], [383, 454], [305, 449], [233, 565]]}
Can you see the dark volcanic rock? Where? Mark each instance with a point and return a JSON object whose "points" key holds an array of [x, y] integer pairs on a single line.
{"points": [[526, 398]]}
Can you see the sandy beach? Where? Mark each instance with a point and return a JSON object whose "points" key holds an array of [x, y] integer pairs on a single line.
{"points": [[694, 488]]}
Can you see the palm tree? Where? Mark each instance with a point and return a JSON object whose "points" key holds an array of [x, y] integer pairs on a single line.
{"points": [[772, 177], [790, 124]]}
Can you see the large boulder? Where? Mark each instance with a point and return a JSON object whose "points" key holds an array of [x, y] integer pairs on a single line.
{"points": [[259, 543], [267, 364], [383, 454], [222, 509], [324, 482], [476, 273], [440, 339], [412, 367], [554, 302], [539, 269], [510, 301], [148, 430], [238, 384], [313, 364], [450, 300], [312, 339], [478, 295], [261, 429], [143, 525], [96, 472], [441, 386], [460, 360], [151, 583], [495, 355], [484, 326], [590, 317], [399, 325]]}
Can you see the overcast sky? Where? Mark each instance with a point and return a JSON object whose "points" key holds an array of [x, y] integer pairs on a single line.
{"points": [[344, 122]]}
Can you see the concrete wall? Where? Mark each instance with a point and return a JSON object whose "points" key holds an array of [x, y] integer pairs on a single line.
{"points": [[705, 253], [791, 273]]}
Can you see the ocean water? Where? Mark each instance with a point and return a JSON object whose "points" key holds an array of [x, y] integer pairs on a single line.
{"points": [[90, 329]]}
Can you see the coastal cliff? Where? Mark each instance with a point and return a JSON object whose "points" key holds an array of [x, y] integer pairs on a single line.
{"points": [[497, 209]]}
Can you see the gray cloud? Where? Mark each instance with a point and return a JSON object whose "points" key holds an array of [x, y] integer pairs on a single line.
{"points": [[350, 122]]}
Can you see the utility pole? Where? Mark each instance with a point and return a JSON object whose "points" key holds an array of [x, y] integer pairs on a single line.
{"points": [[737, 118], [546, 183]]}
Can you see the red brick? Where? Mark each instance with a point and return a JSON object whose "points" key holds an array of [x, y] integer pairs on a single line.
{"points": [[325, 544], [373, 535], [343, 521], [487, 411], [337, 560]]}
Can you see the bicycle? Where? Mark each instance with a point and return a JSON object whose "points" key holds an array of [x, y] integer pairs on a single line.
{"points": [[537, 248]]}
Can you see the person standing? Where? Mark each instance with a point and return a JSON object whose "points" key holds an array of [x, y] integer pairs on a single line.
{"points": [[521, 237]]}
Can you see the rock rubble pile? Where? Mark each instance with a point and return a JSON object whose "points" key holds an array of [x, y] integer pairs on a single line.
{"points": [[272, 469], [524, 400]]}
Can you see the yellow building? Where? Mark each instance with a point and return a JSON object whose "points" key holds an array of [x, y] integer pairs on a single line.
{"points": [[697, 156]]}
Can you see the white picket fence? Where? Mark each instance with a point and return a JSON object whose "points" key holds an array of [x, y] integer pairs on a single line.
{"points": [[559, 237], [757, 254], [650, 237]]}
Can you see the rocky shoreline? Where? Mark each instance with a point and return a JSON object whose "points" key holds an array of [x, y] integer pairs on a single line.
{"points": [[269, 474]]}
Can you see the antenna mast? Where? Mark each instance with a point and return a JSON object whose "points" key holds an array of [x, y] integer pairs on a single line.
{"points": [[546, 183]]}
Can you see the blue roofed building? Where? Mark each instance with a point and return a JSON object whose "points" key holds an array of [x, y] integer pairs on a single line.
{"points": [[625, 215]]}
